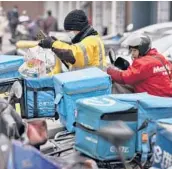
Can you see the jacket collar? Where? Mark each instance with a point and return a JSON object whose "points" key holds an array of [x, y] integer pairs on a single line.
{"points": [[87, 31]]}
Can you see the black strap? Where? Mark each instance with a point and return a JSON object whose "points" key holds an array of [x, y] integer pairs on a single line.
{"points": [[127, 116], [56, 115], [35, 96], [92, 131], [164, 67], [35, 92], [40, 89]]}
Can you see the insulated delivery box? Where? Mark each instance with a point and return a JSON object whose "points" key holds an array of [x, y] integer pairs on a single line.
{"points": [[163, 146], [9, 65], [71, 86], [39, 97], [95, 113], [150, 109]]}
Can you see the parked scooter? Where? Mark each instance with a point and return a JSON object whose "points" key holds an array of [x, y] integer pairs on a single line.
{"points": [[118, 62], [117, 134], [9, 117], [32, 132]]}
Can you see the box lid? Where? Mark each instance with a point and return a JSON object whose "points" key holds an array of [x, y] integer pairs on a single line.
{"points": [[102, 105], [146, 100], [165, 128], [10, 63], [152, 102], [39, 82], [130, 97], [81, 81]]}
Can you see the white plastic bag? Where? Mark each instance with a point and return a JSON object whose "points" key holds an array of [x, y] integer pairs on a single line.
{"points": [[38, 62]]}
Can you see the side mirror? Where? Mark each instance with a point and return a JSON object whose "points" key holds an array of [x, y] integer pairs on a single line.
{"points": [[16, 90], [112, 56], [129, 27]]}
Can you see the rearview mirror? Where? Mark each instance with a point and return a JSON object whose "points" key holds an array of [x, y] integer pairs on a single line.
{"points": [[16, 90], [112, 56]]}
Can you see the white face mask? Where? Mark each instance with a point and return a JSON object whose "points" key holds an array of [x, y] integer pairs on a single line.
{"points": [[71, 34]]}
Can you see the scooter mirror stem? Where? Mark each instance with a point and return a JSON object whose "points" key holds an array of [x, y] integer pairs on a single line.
{"points": [[121, 156]]}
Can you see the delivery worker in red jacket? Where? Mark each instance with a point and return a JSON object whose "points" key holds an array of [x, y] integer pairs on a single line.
{"points": [[150, 71]]}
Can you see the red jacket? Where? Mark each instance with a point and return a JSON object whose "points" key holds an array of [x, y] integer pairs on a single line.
{"points": [[146, 74]]}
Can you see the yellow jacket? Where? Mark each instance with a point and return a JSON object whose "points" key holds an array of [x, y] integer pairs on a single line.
{"points": [[87, 53], [57, 68]]}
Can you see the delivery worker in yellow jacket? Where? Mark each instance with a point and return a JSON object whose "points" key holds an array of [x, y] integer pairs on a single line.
{"points": [[87, 48]]}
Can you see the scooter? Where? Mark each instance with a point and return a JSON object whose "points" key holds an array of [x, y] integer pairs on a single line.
{"points": [[117, 134], [14, 127], [118, 62], [8, 125]]}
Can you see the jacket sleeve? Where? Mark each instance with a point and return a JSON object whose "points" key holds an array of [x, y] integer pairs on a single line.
{"points": [[137, 72], [73, 50], [116, 75]]}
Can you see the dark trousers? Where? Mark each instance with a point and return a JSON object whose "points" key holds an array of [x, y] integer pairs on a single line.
{"points": [[0, 43], [13, 31]]}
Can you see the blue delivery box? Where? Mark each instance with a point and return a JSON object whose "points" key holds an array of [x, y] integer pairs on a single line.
{"points": [[71, 86]]}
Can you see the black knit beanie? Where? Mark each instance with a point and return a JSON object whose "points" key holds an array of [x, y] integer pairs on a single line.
{"points": [[76, 20]]}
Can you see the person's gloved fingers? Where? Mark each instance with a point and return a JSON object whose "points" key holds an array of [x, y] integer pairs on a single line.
{"points": [[41, 44], [46, 43]]}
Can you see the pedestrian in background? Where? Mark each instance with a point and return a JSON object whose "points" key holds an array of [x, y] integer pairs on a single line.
{"points": [[50, 23], [3, 25], [13, 16]]}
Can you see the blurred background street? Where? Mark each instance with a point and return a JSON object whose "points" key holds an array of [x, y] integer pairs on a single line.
{"points": [[113, 15], [112, 19], [7, 46]]}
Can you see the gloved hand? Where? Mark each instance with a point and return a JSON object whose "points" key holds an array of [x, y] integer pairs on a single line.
{"points": [[47, 42], [116, 74], [121, 63]]}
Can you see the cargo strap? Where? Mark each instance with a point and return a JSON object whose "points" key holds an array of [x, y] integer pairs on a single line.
{"points": [[35, 95], [86, 61], [145, 151], [75, 124]]}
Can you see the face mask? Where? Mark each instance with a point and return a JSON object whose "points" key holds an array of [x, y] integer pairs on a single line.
{"points": [[71, 34]]}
